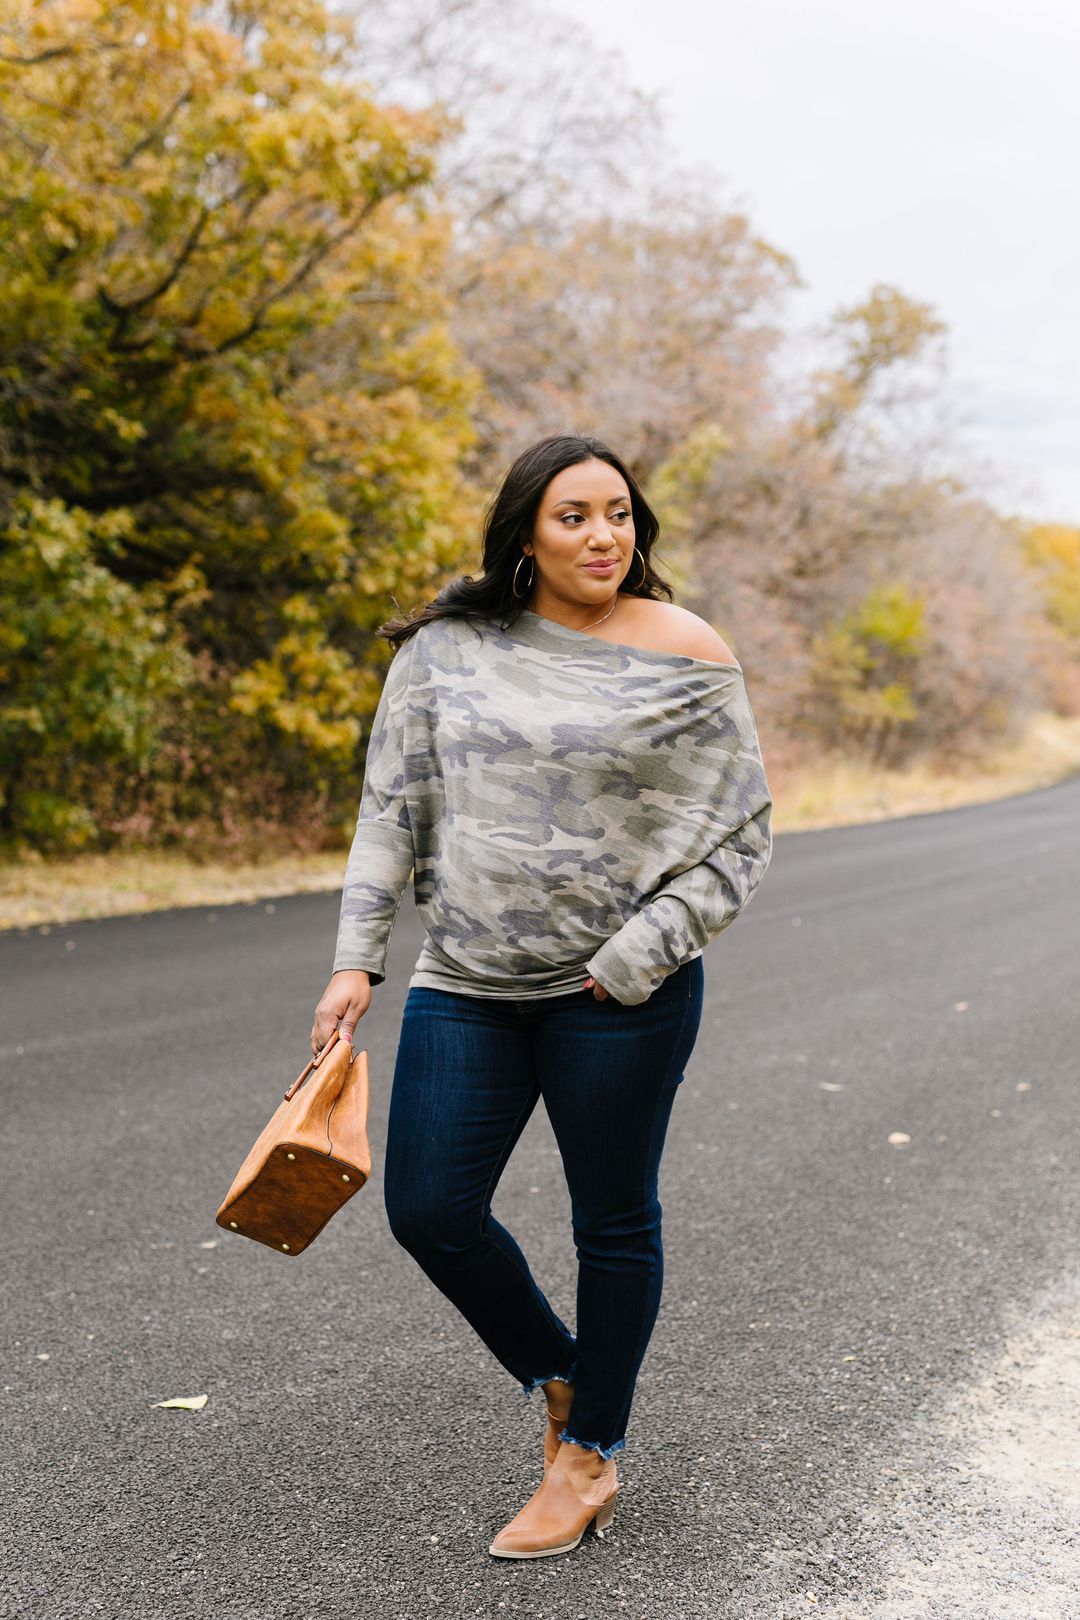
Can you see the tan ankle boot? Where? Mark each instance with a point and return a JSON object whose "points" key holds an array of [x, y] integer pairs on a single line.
{"points": [[571, 1496]]}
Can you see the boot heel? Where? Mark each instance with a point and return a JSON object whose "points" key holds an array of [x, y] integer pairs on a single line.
{"points": [[606, 1513]]}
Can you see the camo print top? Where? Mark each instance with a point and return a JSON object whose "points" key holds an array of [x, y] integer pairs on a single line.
{"points": [[568, 805]]}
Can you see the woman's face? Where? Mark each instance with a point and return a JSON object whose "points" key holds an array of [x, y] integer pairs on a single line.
{"points": [[584, 517]]}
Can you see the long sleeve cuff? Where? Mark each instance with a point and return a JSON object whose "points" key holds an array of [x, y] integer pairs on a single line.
{"points": [[683, 916]]}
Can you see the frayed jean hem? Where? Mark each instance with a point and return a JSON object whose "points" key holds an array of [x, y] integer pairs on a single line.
{"points": [[593, 1445], [549, 1378]]}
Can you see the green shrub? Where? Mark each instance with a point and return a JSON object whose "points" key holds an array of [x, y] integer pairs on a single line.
{"points": [[87, 665]]}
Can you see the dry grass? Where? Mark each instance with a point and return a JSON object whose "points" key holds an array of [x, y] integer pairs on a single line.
{"points": [[835, 793], [840, 792], [33, 892]]}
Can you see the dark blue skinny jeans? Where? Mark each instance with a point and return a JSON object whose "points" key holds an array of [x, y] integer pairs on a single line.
{"points": [[468, 1075]]}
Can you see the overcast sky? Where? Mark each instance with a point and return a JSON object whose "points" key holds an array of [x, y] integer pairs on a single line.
{"points": [[931, 144]]}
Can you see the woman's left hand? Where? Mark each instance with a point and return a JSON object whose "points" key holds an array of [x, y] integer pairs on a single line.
{"points": [[599, 993]]}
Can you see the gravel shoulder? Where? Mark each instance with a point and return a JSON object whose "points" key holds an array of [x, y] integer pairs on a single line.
{"points": [[982, 1517]]}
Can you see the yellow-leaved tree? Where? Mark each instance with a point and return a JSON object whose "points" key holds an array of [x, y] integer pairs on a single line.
{"points": [[225, 357], [1053, 551]]}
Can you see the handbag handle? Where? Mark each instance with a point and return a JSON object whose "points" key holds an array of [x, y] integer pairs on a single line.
{"points": [[314, 1064]]}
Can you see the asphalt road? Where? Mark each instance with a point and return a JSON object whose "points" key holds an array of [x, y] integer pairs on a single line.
{"points": [[828, 1293]]}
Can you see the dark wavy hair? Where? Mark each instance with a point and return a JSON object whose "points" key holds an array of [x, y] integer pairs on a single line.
{"points": [[509, 520]]}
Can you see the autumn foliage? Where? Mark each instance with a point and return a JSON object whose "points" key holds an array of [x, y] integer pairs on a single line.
{"points": [[232, 414], [278, 301]]}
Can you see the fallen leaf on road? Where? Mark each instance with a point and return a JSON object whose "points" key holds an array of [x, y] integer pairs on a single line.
{"points": [[185, 1403]]}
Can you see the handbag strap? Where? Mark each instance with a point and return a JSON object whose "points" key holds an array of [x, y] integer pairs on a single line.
{"points": [[314, 1064]]}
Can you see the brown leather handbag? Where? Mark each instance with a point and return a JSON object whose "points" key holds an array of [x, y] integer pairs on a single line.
{"points": [[311, 1158]]}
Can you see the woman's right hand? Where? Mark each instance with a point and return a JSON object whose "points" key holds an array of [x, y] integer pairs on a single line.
{"points": [[344, 1001]]}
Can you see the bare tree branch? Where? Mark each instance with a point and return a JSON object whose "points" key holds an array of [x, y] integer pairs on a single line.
{"points": [[124, 311]]}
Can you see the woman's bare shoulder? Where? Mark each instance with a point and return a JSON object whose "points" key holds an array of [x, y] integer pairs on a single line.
{"points": [[664, 627]]}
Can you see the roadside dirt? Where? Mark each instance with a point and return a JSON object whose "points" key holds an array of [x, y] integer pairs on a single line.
{"points": [[986, 1524]]}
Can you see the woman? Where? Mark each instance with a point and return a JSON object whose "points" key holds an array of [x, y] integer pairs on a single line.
{"points": [[569, 766]]}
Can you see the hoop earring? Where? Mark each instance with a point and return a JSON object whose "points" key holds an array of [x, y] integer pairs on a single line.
{"points": [[513, 582], [644, 570]]}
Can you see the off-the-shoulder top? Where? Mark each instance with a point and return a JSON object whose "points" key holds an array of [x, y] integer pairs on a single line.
{"points": [[567, 806]]}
